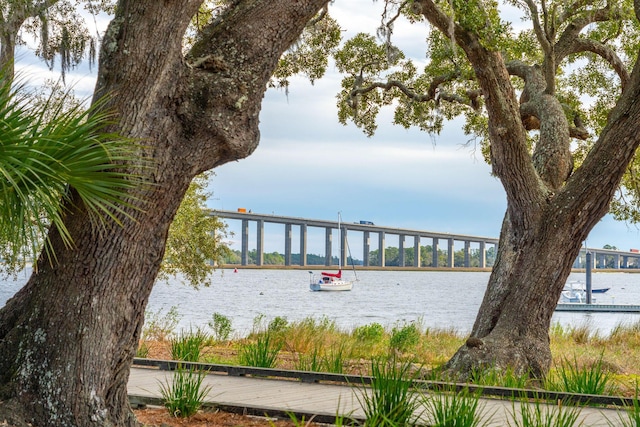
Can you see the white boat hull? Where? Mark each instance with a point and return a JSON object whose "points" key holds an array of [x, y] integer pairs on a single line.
{"points": [[336, 285]]}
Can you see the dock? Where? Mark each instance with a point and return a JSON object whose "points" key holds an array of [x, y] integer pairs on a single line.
{"points": [[324, 397], [599, 308]]}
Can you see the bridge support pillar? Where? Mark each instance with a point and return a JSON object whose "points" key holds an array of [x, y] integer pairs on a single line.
{"points": [[482, 254], [287, 244], [343, 246], [260, 242], [467, 253], [366, 247], [416, 252], [244, 253], [381, 260], [434, 255], [450, 255], [303, 244], [328, 241], [401, 250]]}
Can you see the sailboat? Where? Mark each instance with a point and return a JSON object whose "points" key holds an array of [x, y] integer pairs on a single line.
{"points": [[331, 281]]}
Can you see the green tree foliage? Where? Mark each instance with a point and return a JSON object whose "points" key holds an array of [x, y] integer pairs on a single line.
{"points": [[596, 45], [196, 238], [50, 150]]}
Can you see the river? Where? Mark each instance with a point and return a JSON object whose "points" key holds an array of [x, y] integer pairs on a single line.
{"points": [[436, 299], [441, 300]]}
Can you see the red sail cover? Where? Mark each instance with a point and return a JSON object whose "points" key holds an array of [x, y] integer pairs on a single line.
{"points": [[336, 275]]}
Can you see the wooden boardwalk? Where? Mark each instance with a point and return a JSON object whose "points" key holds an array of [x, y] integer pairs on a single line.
{"points": [[275, 397]]}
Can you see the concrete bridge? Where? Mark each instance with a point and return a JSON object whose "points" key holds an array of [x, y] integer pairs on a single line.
{"points": [[477, 251]]}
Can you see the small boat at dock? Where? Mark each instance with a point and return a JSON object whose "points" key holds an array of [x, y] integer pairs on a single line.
{"points": [[576, 292]]}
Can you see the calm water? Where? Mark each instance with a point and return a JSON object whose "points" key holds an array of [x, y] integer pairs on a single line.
{"points": [[436, 299]]}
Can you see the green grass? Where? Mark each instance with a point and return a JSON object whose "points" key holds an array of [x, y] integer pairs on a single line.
{"points": [[582, 358], [630, 416], [538, 413], [494, 377], [263, 353], [574, 377], [390, 400], [455, 409], [188, 346], [183, 396]]}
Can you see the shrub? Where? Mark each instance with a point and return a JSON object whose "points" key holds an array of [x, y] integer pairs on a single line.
{"points": [[405, 338], [372, 332], [158, 326], [221, 326], [278, 324]]}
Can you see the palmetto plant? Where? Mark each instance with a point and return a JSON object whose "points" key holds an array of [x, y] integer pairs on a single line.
{"points": [[50, 153]]}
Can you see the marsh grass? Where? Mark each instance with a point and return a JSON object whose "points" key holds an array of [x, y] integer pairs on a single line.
{"points": [[262, 353], [586, 378], [309, 334], [495, 377], [455, 409], [183, 396], [390, 400], [310, 362], [538, 413], [334, 360], [310, 339], [188, 346]]}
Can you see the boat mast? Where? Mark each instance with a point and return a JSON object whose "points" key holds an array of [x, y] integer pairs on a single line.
{"points": [[339, 246]]}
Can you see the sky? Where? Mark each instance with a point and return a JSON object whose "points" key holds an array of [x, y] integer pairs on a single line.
{"points": [[309, 165]]}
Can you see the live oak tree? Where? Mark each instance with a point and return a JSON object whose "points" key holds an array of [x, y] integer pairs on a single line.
{"points": [[556, 108], [67, 338], [65, 37]]}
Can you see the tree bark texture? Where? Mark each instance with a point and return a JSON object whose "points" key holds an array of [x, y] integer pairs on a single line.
{"points": [[67, 339], [550, 209]]}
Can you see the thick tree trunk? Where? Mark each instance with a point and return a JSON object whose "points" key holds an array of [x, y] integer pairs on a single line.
{"points": [[512, 326], [550, 211], [67, 339], [536, 253]]}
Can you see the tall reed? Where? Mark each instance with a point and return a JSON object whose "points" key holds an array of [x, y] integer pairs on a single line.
{"points": [[188, 345], [390, 400], [570, 376], [538, 413], [629, 416], [263, 353], [184, 395], [452, 408]]}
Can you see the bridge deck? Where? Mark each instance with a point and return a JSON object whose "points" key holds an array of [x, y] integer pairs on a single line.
{"points": [[262, 396]]}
